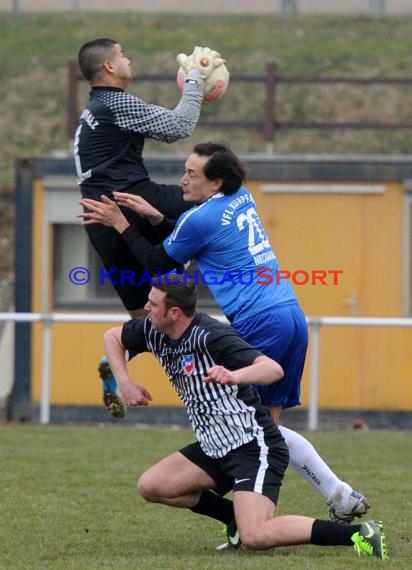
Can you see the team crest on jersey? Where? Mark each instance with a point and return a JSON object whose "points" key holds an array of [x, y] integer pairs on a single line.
{"points": [[188, 364]]}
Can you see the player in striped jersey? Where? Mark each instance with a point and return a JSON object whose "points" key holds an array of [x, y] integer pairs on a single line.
{"points": [[238, 447], [225, 236]]}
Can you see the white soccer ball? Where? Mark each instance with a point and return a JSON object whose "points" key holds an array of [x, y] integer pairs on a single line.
{"points": [[215, 85]]}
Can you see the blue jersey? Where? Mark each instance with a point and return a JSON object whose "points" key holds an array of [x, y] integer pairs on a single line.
{"points": [[226, 238]]}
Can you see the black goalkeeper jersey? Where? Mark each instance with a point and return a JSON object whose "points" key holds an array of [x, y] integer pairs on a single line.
{"points": [[110, 137], [223, 417]]}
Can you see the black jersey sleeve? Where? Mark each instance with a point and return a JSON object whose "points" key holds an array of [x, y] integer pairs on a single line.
{"points": [[167, 225], [151, 257], [228, 349], [134, 338]]}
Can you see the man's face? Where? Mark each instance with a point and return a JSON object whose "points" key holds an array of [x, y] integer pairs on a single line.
{"points": [[196, 187], [158, 313], [121, 64]]}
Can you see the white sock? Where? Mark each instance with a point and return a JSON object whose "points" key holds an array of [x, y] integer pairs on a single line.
{"points": [[307, 462]]}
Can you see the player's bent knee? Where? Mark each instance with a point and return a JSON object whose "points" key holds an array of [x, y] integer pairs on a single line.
{"points": [[253, 539], [147, 488]]}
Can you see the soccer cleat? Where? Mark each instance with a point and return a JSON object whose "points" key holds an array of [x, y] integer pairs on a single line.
{"points": [[370, 540], [356, 507], [112, 398], [233, 539]]}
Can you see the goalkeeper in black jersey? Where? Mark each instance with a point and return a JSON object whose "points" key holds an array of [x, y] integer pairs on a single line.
{"points": [[108, 150]]}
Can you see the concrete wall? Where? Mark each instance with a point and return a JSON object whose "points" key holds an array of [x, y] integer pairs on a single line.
{"points": [[209, 7]]}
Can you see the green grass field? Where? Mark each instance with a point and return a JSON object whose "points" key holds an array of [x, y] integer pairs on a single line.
{"points": [[69, 502], [68, 498]]}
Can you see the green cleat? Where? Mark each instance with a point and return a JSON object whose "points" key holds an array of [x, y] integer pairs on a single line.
{"points": [[232, 536], [370, 540]]}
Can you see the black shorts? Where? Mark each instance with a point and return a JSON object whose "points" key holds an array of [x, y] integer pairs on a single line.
{"points": [[113, 250], [258, 466]]}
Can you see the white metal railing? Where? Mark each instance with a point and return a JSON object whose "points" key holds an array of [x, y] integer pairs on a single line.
{"points": [[314, 323], [314, 326]]}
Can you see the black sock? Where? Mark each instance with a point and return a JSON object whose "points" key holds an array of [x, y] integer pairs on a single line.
{"points": [[328, 533], [212, 505]]}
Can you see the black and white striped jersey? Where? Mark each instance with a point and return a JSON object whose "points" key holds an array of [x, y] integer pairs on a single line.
{"points": [[110, 136], [223, 417]]}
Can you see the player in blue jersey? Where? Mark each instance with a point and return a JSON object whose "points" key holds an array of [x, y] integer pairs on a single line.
{"points": [[225, 236]]}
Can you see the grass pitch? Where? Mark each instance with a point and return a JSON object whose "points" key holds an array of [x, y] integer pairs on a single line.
{"points": [[69, 502]]}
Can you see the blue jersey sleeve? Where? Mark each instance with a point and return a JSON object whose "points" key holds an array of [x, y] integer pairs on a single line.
{"points": [[188, 238]]}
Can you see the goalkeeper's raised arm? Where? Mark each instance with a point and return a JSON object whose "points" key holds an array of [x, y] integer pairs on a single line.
{"points": [[205, 67]]}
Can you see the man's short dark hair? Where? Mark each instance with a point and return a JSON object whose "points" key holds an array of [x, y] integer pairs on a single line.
{"points": [[224, 164], [93, 54], [180, 292]]}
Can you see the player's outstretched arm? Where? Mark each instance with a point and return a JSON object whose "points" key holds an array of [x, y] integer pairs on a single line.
{"points": [[199, 65], [132, 394], [264, 370], [205, 67], [106, 212], [140, 206]]}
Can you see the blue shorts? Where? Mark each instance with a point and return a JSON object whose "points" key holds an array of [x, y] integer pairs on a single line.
{"points": [[282, 334]]}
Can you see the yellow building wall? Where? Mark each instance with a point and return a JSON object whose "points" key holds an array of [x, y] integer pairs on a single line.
{"points": [[78, 347], [359, 368], [361, 234]]}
